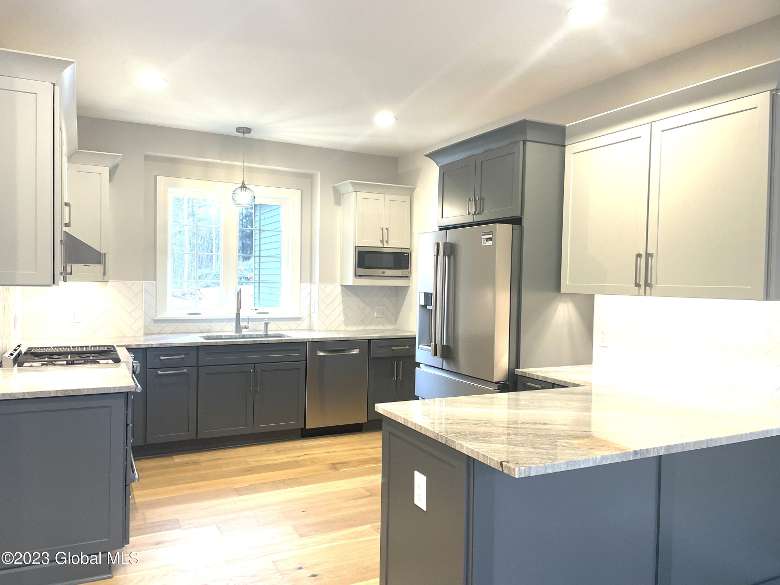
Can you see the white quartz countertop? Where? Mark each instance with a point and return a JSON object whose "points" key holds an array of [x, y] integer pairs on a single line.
{"points": [[533, 433], [52, 381], [190, 339], [581, 375]]}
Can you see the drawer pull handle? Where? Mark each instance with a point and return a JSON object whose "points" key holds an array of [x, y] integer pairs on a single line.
{"points": [[400, 347], [170, 372], [283, 355], [172, 357]]}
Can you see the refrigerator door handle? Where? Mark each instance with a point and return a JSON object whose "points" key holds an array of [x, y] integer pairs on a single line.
{"points": [[446, 254], [435, 302]]}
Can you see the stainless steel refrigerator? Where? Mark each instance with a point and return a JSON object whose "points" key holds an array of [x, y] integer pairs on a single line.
{"points": [[489, 301]]}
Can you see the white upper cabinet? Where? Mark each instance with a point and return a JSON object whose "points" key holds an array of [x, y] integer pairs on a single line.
{"points": [[369, 220], [398, 216], [27, 193], [37, 133], [373, 215], [709, 196], [682, 206], [605, 213]]}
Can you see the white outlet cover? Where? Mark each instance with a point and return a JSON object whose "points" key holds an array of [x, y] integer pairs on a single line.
{"points": [[420, 491]]}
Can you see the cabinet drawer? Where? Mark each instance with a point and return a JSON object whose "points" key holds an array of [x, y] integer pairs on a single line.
{"points": [[256, 353], [171, 357], [526, 383], [399, 347]]}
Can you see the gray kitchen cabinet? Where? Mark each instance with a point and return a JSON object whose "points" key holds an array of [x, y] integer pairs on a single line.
{"points": [[390, 372], [138, 399], [483, 178], [171, 398], [64, 464], [423, 542], [457, 182], [280, 396], [225, 396], [499, 182]]}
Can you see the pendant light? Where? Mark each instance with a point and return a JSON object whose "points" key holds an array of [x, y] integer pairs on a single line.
{"points": [[243, 196]]}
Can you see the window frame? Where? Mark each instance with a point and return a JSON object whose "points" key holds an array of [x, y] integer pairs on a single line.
{"points": [[288, 198]]}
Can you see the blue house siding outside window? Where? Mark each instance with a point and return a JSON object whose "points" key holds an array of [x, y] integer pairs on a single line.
{"points": [[260, 253]]}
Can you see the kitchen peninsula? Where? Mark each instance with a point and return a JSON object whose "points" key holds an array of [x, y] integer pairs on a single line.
{"points": [[588, 485]]}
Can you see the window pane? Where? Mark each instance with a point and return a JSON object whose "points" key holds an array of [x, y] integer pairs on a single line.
{"points": [[194, 253], [260, 254]]}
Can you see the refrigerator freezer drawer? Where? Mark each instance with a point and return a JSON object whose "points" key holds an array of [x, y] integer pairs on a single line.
{"points": [[435, 383]]}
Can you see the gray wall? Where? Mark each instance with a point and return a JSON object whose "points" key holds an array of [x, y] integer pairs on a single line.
{"points": [[132, 218]]}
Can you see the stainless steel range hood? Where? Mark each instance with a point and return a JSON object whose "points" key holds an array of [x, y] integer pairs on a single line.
{"points": [[76, 251]]}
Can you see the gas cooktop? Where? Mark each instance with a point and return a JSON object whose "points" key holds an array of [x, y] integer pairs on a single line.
{"points": [[68, 355]]}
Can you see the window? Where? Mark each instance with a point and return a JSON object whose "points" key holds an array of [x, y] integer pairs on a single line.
{"points": [[207, 248]]}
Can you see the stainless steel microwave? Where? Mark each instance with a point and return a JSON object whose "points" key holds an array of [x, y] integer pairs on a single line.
{"points": [[383, 262]]}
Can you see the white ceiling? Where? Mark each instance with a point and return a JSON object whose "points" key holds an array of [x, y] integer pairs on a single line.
{"points": [[315, 71]]}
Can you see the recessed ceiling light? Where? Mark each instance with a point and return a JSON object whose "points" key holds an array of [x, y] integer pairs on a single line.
{"points": [[584, 13], [384, 118], [151, 80]]}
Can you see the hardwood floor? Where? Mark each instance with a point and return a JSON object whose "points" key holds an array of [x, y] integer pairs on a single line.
{"points": [[304, 511]]}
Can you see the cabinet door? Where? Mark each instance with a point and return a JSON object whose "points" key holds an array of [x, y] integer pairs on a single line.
{"points": [[26, 182], [457, 181], [280, 396], [382, 373], [605, 213], [369, 219], [404, 383], [170, 404], [225, 400], [709, 186], [499, 183], [398, 221], [87, 199], [64, 463]]}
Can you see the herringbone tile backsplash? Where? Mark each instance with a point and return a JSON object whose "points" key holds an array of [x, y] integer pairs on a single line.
{"points": [[94, 311]]}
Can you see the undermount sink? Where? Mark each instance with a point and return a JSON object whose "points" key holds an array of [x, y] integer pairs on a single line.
{"points": [[218, 336]]}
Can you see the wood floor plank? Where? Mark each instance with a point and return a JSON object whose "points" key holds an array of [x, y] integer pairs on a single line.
{"points": [[287, 513]]}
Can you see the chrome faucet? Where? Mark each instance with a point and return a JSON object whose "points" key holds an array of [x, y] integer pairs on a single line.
{"points": [[238, 328]]}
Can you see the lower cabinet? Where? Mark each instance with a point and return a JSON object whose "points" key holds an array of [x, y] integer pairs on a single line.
{"points": [[247, 398], [281, 396], [225, 396], [390, 372], [389, 380], [64, 465], [171, 395]]}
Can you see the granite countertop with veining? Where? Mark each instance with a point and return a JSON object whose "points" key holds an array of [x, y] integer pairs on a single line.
{"points": [[52, 381], [533, 433], [190, 339], [581, 375]]}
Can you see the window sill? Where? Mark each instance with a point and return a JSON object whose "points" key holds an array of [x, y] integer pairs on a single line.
{"points": [[228, 318]]}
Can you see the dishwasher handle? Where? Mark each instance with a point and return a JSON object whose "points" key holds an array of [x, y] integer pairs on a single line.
{"points": [[327, 352]]}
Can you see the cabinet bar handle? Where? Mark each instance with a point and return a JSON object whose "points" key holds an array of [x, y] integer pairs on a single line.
{"points": [[338, 351], [69, 221], [283, 355], [399, 347], [170, 372], [382, 235], [638, 270], [395, 370], [649, 270], [400, 371], [172, 357], [252, 380], [468, 206]]}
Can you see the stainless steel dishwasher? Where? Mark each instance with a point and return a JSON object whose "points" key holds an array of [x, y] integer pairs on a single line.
{"points": [[336, 383]]}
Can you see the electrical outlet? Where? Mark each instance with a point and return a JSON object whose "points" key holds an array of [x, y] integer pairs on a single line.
{"points": [[420, 491]]}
